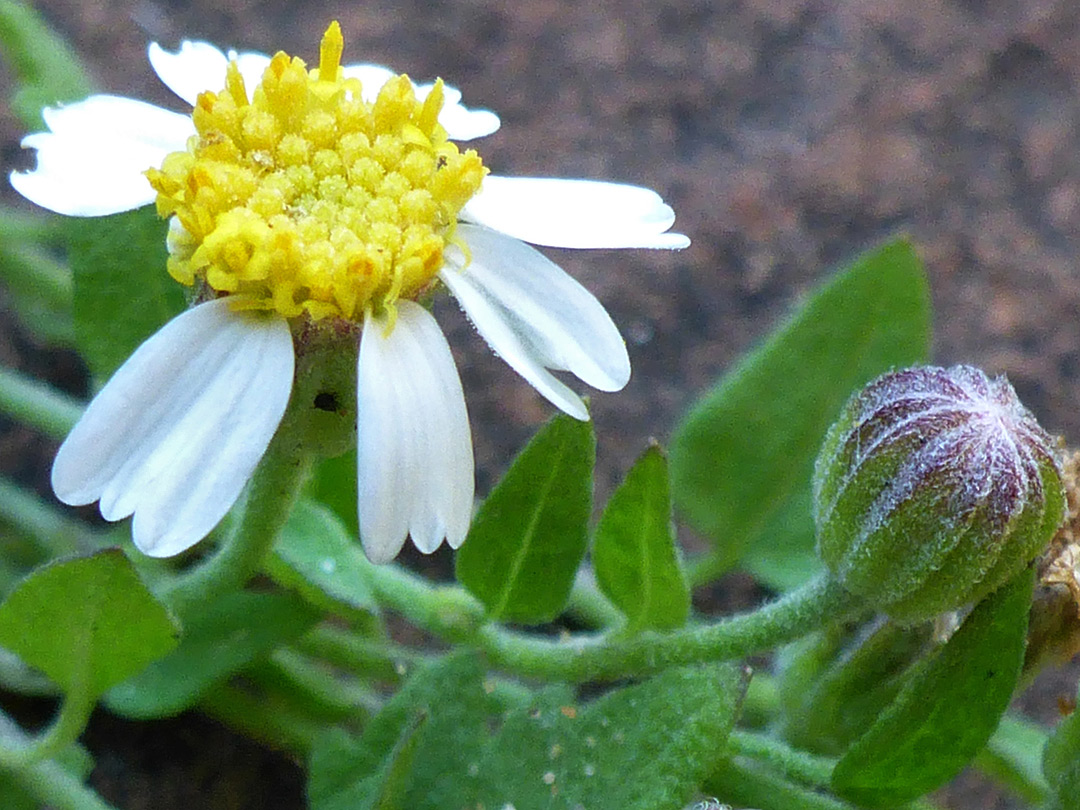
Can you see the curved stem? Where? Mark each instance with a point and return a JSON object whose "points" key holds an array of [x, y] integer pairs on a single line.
{"points": [[801, 766], [36, 404], [53, 786], [452, 614], [599, 658], [18, 751], [266, 506], [589, 605]]}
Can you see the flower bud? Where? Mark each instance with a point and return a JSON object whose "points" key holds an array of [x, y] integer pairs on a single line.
{"points": [[933, 488]]}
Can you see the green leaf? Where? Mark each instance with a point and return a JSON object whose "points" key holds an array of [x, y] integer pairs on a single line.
{"points": [[123, 293], [486, 745], [319, 558], [1061, 761], [748, 446], [346, 774], [637, 564], [530, 535], [947, 711], [47, 71], [747, 782], [87, 622], [644, 746], [789, 558], [230, 634]]}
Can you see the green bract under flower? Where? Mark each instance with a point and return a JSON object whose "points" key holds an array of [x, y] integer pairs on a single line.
{"points": [[304, 198]]}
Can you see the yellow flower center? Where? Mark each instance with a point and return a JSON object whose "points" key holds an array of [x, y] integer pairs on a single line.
{"points": [[306, 198]]}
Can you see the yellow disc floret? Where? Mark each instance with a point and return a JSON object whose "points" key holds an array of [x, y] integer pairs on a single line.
{"points": [[307, 199]]}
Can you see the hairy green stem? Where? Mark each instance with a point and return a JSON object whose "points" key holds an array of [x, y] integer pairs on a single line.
{"points": [[600, 658], [590, 606], [266, 506], [38, 405], [363, 657], [452, 614], [314, 690], [792, 763], [753, 784]]}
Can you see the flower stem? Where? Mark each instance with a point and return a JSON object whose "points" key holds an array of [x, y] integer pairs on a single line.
{"points": [[36, 404], [589, 605], [53, 533], [599, 658], [801, 766], [268, 501], [31, 271], [454, 615], [17, 750], [53, 786], [362, 657]]}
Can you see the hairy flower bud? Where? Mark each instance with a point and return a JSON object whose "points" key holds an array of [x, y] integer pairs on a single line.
{"points": [[933, 488]]}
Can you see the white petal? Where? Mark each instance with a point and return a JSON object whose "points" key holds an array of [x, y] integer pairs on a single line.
{"points": [[372, 78], [463, 124], [534, 316], [178, 430], [574, 213], [252, 66], [195, 68], [92, 160], [414, 449]]}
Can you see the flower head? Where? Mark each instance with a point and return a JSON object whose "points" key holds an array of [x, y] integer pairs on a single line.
{"points": [[327, 199]]}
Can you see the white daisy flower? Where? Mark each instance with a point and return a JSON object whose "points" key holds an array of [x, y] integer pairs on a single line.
{"points": [[300, 199]]}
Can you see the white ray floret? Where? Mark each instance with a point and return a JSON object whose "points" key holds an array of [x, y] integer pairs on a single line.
{"points": [[536, 317], [91, 162], [555, 212], [178, 430], [414, 448]]}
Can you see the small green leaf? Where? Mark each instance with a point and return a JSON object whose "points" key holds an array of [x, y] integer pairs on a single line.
{"points": [[1061, 761], [47, 71], [123, 293], [529, 537], [319, 558], [634, 554], [225, 638], [948, 709], [748, 446], [87, 622]]}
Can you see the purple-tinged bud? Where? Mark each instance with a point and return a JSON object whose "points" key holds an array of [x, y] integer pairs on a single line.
{"points": [[933, 488]]}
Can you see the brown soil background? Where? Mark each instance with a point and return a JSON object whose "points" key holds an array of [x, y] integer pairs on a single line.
{"points": [[787, 134]]}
